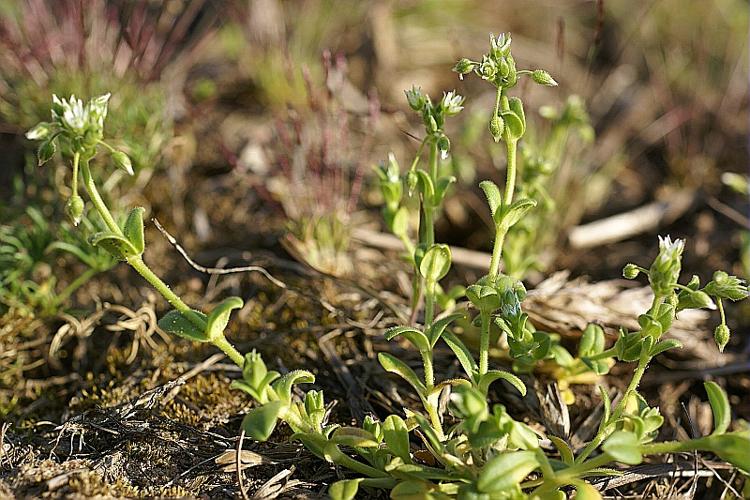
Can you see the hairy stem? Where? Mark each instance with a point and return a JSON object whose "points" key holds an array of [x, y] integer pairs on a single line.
{"points": [[484, 343]]}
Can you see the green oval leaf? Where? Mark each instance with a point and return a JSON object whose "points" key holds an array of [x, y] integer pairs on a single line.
{"points": [[624, 447], [177, 323], [506, 471], [345, 489], [134, 229], [396, 436], [436, 263], [113, 243], [514, 126], [219, 316], [260, 422], [566, 454], [722, 413], [492, 192]]}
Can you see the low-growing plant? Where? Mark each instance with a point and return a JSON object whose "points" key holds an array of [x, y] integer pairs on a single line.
{"points": [[477, 450]]}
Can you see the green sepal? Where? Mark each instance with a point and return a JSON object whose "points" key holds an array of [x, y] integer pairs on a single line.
{"points": [[218, 318], [177, 323], [133, 229]]}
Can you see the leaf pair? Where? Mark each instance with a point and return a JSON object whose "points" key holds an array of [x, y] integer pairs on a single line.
{"points": [[505, 215], [130, 243], [196, 326]]}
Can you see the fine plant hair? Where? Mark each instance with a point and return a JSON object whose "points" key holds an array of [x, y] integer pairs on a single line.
{"points": [[476, 449]]}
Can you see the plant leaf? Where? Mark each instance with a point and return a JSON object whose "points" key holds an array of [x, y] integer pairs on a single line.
{"points": [[492, 375], [585, 491], [283, 386], [566, 454], [133, 229], [176, 323], [462, 353], [624, 447], [396, 436], [260, 422], [665, 345], [354, 437], [113, 243], [436, 263], [511, 215], [219, 316], [413, 335], [438, 327], [345, 489], [506, 471], [722, 413], [394, 365], [731, 447], [492, 192]]}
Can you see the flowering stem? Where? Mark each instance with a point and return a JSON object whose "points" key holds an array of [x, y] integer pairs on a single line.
{"points": [[137, 263]]}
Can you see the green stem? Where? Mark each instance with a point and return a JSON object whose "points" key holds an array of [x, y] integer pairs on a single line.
{"points": [[619, 409], [429, 304], [435, 420], [429, 372], [346, 461], [222, 343], [484, 342], [74, 181], [510, 176], [97, 200], [497, 249]]}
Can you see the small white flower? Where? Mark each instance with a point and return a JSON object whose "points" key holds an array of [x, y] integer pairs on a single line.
{"points": [[452, 103]]}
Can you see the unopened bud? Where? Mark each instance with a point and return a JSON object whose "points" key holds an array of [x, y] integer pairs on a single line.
{"points": [[721, 336], [543, 78], [630, 271], [74, 209], [122, 161], [497, 125]]}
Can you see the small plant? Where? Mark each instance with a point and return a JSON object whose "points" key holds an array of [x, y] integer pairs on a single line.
{"points": [[477, 450]]}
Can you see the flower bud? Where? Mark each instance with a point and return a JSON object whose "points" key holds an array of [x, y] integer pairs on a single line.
{"points": [[444, 145], [665, 270], [630, 271], [464, 66], [721, 336], [74, 209], [543, 78], [497, 125], [39, 132], [122, 161], [488, 68], [415, 98], [726, 287]]}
